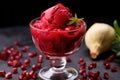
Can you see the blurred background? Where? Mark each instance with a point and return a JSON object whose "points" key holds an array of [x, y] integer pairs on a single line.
{"points": [[21, 12]]}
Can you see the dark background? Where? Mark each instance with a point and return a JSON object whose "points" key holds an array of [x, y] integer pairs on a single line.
{"points": [[20, 12]]}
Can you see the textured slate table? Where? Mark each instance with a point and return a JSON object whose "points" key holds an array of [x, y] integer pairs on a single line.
{"points": [[21, 33]]}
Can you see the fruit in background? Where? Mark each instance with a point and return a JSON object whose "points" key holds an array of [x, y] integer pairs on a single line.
{"points": [[99, 38]]}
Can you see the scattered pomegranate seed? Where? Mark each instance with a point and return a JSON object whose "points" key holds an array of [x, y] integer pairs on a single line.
{"points": [[96, 74], [24, 67], [31, 73], [12, 58], [4, 55], [90, 66], [83, 64], [25, 78], [10, 63], [69, 59], [114, 69], [40, 59], [111, 58], [16, 43], [16, 63], [34, 67], [8, 75], [24, 72], [2, 73], [94, 64], [81, 71], [14, 70], [106, 75], [20, 77], [35, 76], [80, 79], [84, 75], [105, 62], [27, 61], [99, 78], [81, 60], [90, 78], [107, 65], [32, 54], [90, 74], [39, 65], [25, 48], [28, 76], [15, 52]]}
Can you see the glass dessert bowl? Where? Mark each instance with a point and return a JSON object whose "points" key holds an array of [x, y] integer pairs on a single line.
{"points": [[57, 44], [55, 36]]}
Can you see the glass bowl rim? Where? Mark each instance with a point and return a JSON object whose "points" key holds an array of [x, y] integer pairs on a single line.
{"points": [[31, 26]]}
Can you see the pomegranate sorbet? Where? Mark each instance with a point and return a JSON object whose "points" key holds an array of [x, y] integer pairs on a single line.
{"points": [[56, 32]]}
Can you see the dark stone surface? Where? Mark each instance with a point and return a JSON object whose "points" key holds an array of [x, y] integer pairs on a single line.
{"points": [[22, 33]]}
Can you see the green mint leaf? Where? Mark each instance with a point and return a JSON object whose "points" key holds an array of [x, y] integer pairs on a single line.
{"points": [[74, 20], [118, 54], [70, 22], [116, 26]]}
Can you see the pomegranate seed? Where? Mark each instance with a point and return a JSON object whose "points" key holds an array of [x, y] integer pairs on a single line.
{"points": [[2, 73], [15, 52], [105, 62], [27, 61], [80, 79], [111, 58], [96, 74], [16, 43], [94, 64], [81, 71], [24, 67], [20, 55], [10, 63], [114, 69], [16, 63], [81, 60], [20, 77], [99, 78], [28, 76], [90, 78], [32, 54], [17, 57], [4, 56], [24, 72], [106, 75], [69, 59], [40, 59], [25, 78], [90, 66], [39, 65], [90, 74], [25, 48], [84, 75], [12, 58], [14, 70], [83, 64], [107, 65], [8, 75], [35, 54], [35, 76], [34, 67], [31, 73]]}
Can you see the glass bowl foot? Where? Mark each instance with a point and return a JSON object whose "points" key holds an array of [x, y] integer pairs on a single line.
{"points": [[68, 73]]}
